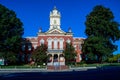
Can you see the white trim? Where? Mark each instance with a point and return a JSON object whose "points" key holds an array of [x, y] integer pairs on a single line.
{"points": [[79, 38], [31, 37], [49, 39], [55, 38], [61, 39], [55, 35], [60, 31]]}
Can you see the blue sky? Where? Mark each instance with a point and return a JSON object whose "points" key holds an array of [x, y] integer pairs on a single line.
{"points": [[35, 14]]}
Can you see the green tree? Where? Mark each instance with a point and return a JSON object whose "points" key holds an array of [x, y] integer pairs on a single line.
{"points": [[114, 58], [69, 53], [40, 54], [102, 32], [11, 32]]}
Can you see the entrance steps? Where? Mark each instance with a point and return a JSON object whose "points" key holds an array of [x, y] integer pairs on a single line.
{"points": [[61, 67]]}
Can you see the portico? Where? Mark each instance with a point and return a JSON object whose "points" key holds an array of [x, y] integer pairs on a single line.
{"points": [[56, 58]]}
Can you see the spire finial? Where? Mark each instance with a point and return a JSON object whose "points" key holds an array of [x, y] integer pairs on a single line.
{"points": [[69, 30], [40, 29]]}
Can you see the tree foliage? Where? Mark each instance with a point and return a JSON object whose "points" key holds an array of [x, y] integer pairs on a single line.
{"points": [[25, 52], [40, 54], [11, 31], [114, 58], [69, 53], [102, 32]]}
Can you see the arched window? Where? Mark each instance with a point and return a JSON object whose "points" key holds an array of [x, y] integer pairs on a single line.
{"points": [[49, 43], [23, 47], [29, 45], [55, 43], [42, 41], [35, 46], [80, 46], [61, 43], [75, 46], [68, 41], [80, 57]]}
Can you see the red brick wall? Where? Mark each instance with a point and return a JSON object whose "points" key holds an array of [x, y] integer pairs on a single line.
{"points": [[58, 37], [76, 42]]}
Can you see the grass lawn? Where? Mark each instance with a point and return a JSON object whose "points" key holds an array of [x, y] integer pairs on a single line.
{"points": [[96, 65], [22, 66], [77, 65]]}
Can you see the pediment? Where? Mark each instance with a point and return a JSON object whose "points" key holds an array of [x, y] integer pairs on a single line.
{"points": [[55, 31]]}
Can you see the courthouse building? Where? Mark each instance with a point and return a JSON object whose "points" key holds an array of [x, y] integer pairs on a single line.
{"points": [[55, 39]]}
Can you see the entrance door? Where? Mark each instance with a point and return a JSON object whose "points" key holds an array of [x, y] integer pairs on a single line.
{"points": [[55, 58], [55, 61]]}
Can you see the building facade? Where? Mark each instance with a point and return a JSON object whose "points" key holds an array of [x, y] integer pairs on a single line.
{"points": [[55, 38]]}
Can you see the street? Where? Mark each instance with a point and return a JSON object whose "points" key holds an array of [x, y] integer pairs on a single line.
{"points": [[107, 73]]}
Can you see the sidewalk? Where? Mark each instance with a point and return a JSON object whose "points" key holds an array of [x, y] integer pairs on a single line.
{"points": [[14, 70]]}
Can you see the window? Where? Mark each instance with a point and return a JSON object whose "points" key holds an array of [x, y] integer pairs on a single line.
{"points": [[29, 47], [55, 44], [42, 41], [49, 43], [54, 21], [35, 46], [80, 47], [61, 43], [75, 46], [80, 57], [68, 41], [23, 48]]}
